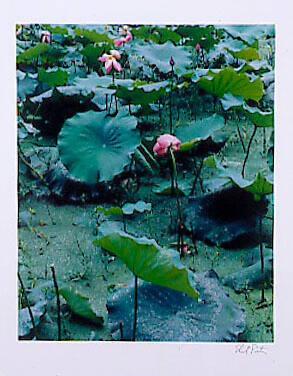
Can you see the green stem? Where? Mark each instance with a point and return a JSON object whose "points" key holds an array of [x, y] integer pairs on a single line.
{"points": [[247, 151], [58, 302], [261, 262], [27, 301], [170, 103], [176, 185], [135, 308]]}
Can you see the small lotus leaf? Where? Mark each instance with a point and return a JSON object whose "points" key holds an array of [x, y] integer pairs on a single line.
{"points": [[80, 305], [139, 206]]}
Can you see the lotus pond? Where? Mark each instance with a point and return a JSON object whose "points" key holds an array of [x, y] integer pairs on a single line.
{"points": [[145, 182]]}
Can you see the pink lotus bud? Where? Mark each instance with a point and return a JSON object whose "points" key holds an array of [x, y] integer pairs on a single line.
{"points": [[164, 142], [172, 62], [185, 249], [197, 47]]}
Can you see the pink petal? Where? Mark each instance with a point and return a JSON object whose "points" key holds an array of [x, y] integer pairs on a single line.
{"points": [[165, 140], [104, 58], [156, 148], [116, 54], [128, 36], [108, 65], [48, 39], [118, 42], [117, 66], [162, 152]]}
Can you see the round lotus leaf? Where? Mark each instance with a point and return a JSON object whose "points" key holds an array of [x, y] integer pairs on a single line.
{"points": [[168, 315], [95, 147]]}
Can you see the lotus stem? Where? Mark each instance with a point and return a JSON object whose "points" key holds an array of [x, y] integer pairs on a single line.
{"points": [[264, 141], [27, 301], [135, 309], [121, 329], [58, 302], [197, 172], [170, 101], [261, 262], [241, 138], [176, 185], [248, 149]]}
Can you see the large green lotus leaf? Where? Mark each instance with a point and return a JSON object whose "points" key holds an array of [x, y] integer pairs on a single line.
{"points": [[148, 261], [95, 147], [94, 81], [53, 78], [33, 52], [247, 54], [254, 114], [256, 66], [80, 305], [259, 186], [249, 33], [160, 54], [165, 34], [93, 35], [142, 94], [143, 32], [200, 129], [227, 80], [91, 54], [198, 34], [26, 84], [57, 29]]}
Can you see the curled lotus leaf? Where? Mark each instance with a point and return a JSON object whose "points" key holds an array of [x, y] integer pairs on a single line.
{"points": [[227, 80], [150, 262]]}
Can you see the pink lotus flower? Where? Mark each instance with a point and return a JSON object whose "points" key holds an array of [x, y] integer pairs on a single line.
{"points": [[124, 30], [19, 30], [111, 61], [45, 36], [122, 40], [164, 142], [197, 47]]}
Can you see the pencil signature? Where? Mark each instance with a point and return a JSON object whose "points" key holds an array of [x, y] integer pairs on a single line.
{"points": [[252, 349]]}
